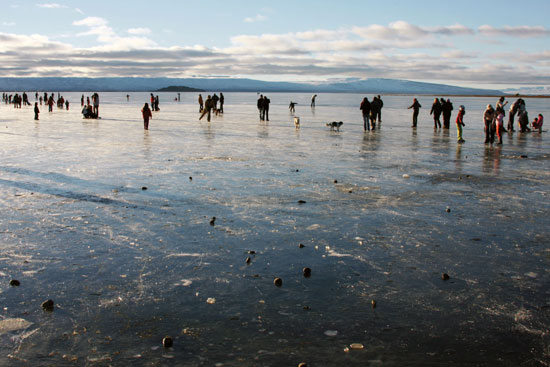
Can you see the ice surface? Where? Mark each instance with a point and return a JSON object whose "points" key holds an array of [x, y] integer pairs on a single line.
{"points": [[126, 267]]}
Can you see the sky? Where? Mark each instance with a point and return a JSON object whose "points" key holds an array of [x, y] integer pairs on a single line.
{"points": [[483, 43]]}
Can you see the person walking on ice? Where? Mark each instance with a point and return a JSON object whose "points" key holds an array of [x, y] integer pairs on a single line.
{"points": [[460, 124]]}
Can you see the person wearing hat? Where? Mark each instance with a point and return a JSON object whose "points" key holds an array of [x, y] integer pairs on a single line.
{"points": [[460, 124], [488, 118]]}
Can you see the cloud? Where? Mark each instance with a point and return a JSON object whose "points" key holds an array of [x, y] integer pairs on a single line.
{"points": [[52, 6], [257, 18], [79, 11], [100, 28], [8, 24], [520, 31], [396, 50], [139, 31]]}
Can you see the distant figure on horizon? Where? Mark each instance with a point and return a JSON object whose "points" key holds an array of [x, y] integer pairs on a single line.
{"points": [[514, 109], [313, 100], [291, 106], [500, 104], [380, 105], [156, 106], [365, 111], [67, 104], [260, 105], [374, 110], [208, 105], [446, 109], [416, 109], [201, 103], [222, 101], [215, 100], [460, 124], [488, 118], [127, 98], [436, 111], [179, 96], [36, 110], [499, 122], [50, 104], [147, 114], [266, 108], [95, 99], [82, 101]]}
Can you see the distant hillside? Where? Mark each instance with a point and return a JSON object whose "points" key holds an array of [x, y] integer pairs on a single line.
{"points": [[370, 86], [179, 89]]}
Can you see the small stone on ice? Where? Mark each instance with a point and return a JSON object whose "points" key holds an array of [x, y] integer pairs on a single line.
{"points": [[406, 176], [301, 202], [144, 187], [331, 332], [213, 221], [303, 364], [301, 245], [445, 276], [47, 305], [15, 283], [356, 346], [307, 272], [448, 210], [248, 260], [211, 301], [167, 342], [278, 282]]}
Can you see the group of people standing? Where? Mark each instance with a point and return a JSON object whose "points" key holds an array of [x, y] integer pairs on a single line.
{"points": [[371, 111], [90, 110], [211, 104], [493, 118], [263, 107]]}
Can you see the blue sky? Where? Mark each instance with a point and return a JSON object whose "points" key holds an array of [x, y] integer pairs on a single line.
{"points": [[471, 43]]}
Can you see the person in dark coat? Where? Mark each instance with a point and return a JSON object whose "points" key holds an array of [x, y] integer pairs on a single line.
{"points": [[380, 105], [446, 108], [36, 110], [260, 105], [416, 109], [436, 112], [365, 110], [374, 111], [266, 108], [222, 101]]}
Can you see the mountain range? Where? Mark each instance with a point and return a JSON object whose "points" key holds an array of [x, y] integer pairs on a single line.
{"points": [[352, 85]]}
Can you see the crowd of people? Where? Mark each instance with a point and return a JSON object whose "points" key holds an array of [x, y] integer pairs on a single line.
{"points": [[493, 118], [371, 112]]}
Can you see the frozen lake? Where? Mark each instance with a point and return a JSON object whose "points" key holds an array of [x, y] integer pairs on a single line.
{"points": [[386, 213]]}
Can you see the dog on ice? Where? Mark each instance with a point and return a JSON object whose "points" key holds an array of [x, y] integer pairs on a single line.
{"points": [[335, 125], [297, 122]]}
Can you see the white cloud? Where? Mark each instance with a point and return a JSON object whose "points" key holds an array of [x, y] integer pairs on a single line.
{"points": [[139, 31], [8, 24], [100, 28], [257, 18], [79, 11], [52, 6], [397, 50]]}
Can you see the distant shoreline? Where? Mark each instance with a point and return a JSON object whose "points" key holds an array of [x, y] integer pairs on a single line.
{"points": [[169, 90]]}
